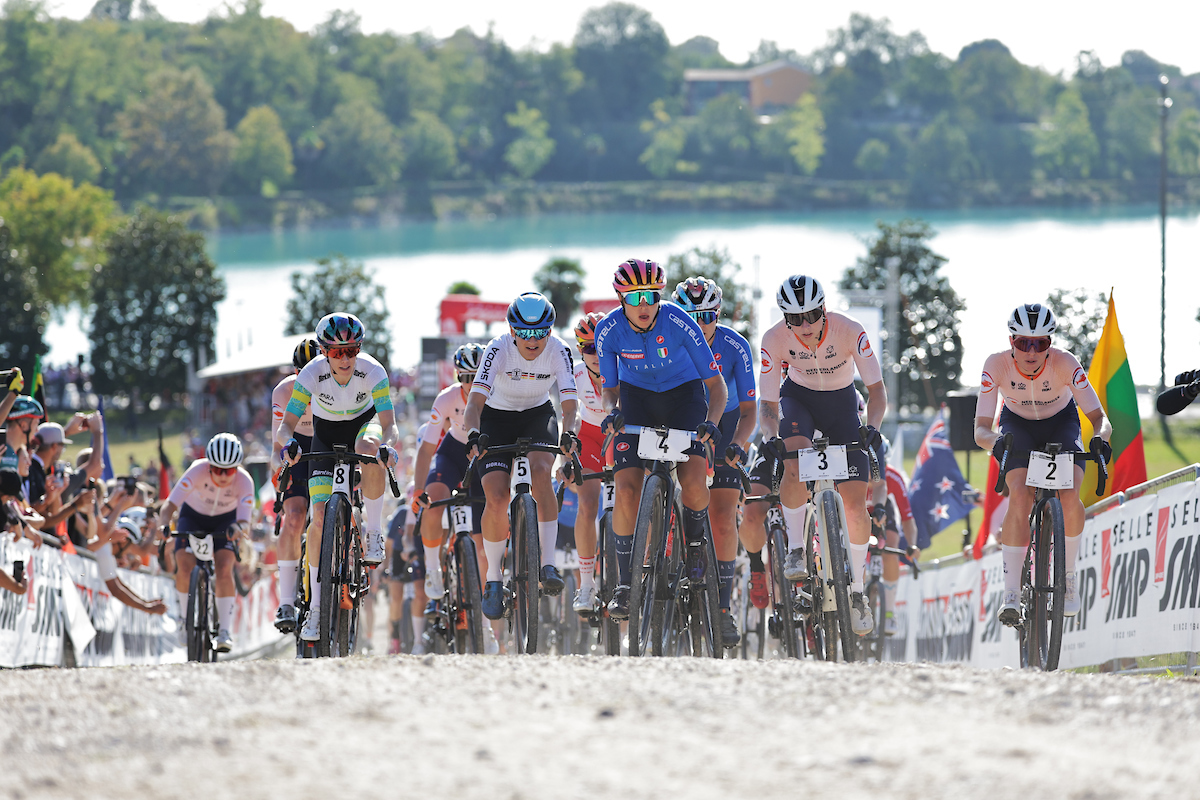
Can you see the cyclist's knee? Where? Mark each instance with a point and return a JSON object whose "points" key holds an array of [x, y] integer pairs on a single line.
{"points": [[366, 446], [437, 491]]}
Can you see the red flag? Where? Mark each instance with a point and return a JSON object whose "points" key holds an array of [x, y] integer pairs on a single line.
{"points": [[990, 501]]}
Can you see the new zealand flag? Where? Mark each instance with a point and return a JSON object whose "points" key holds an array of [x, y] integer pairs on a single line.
{"points": [[936, 490]]}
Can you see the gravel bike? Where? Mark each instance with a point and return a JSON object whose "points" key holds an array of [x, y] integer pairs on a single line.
{"points": [[786, 603], [608, 630], [872, 645], [458, 621], [1044, 574], [200, 620]]}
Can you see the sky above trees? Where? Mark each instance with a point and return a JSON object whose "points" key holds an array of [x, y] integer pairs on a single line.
{"points": [[1037, 32]]}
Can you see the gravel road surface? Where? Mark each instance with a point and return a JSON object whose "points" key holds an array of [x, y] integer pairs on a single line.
{"points": [[576, 727]]}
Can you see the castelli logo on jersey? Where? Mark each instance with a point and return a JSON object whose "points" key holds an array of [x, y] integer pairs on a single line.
{"points": [[717, 356], [713, 366], [750, 393], [1079, 379], [864, 344], [659, 339], [623, 446], [986, 382]]}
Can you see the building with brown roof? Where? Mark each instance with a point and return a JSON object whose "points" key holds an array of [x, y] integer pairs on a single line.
{"points": [[766, 88]]}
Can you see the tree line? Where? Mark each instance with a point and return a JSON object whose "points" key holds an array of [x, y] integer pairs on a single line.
{"points": [[243, 103]]}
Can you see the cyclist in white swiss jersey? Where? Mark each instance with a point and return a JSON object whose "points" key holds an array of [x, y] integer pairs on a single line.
{"points": [[295, 494], [1042, 387], [510, 399], [352, 406]]}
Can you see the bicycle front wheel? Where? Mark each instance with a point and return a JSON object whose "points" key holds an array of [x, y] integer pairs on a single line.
{"points": [[333, 534], [468, 595], [608, 576], [526, 551], [197, 624], [784, 607], [839, 575], [706, 616], [648, 536], [1050, 584]]}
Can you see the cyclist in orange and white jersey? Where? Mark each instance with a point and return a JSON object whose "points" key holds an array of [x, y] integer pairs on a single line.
{"points": [[1042, 387], [591, 456]]}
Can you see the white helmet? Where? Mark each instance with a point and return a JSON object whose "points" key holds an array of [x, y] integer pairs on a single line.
{"points": [[132, 528], [799, 294], [137, 514], [698, 294], [1032, 319], [224, 450]]}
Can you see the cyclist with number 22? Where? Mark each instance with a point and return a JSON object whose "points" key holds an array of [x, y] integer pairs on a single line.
{"points": [[654, 368], [1041, 386], [352, 406], [822, 349]]}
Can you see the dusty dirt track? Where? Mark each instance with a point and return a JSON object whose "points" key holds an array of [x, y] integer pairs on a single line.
{"points": [[533, 727]]}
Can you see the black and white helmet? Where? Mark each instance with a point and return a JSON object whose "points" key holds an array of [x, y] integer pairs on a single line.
{"points": [[1032, 319], [224, 450], [467, 357], [799, 294]]}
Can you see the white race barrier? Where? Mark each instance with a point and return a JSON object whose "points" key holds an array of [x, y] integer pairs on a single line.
{"points": [[66, 594], [1139, 582]]}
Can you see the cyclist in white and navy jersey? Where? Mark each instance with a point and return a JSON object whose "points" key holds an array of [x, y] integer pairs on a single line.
{"points": [[701, 298], [510, 399], [352, 406], [295, 494], [655, 367], [215, 495]]}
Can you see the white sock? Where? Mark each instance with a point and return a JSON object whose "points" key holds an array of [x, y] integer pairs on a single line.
{"points": [[495, 558], [793, 520], [1014, 562], [587, 572], [418, 625], [225, 612], [1072, 551], [315, 603], [858, 565], [182, 603], [374, 509], [548, 535], [433, 560], [889, 597], [288, 572]]}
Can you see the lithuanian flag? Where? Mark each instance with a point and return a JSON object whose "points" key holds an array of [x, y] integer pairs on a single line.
{"points": [[1110, 377]]}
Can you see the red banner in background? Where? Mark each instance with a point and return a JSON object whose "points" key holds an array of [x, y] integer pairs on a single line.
{"points": [[459, 309], [603, 306]]}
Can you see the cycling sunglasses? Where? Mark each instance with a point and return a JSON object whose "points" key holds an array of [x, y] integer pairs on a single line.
{"points": [[531, 333], [641, 297], [1031, 344], [222, 470], [466, 377], [588, 349], [811, 317], [704, 317], [342, 352]]}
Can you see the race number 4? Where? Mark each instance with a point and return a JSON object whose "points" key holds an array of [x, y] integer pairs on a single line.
{"points": [[829, 464], [1051, 473], [663, 445]]}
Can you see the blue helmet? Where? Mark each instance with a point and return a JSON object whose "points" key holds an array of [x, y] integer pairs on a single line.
{"points": [[531, 310], [26, 406]]}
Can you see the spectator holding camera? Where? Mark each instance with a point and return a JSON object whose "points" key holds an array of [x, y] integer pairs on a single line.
{"points": [[23, 416], [14, 382], [17, 519], [1181, 395]]}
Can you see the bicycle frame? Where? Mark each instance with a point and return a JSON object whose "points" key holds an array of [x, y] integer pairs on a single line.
{"points": [[460, 613]]}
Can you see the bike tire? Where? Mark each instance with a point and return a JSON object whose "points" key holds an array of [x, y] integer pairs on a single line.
{"points": [[1050, 589], [710, 603], [348, 618], [469, 594], [784, 605], [669, 619], [648, 538], [334, 530], [876, 602], [608, 574], [526, 550], [196, 623], [839, 569]]}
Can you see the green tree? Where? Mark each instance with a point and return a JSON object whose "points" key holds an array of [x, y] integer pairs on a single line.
{"points": [[27, 46], [992, 84], [561, 280], [263, 156], [1080, 317], [737, 304], [668, 138], [930, 349], [806, 134], [940, 159], [1131, 132], [24, 313], [725, 130], [622, 52], [155, 305], [1183, 143], [340, 284], [430, 147], [463, 287], [533, 148], [59, 229], [69, 158], [1065, 147], [362, 148], [175, 137], [872, 158]]}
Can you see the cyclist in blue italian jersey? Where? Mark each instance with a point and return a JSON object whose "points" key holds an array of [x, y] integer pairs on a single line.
{"points": [[701, 299], [654, 368]]}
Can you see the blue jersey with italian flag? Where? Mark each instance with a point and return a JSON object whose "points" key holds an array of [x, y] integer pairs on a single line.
{"points": [[671, 353]]}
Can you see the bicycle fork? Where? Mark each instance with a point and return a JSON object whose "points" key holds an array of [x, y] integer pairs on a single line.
{"points": [[829, 603]]}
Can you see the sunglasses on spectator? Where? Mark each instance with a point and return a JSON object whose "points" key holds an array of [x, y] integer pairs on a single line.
{"points": [[704, 317], [588, 349], [1030, 344], [342, 352], [531, 333], [811, 317], [222, 470], [641, 297]]}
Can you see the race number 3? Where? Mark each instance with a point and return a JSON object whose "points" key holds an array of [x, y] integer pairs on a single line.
{"points": [[829, 464]]}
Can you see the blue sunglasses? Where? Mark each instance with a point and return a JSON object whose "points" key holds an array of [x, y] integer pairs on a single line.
{"points": [[531, 333]]}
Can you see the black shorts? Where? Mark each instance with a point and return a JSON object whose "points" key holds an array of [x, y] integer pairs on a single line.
{"points": [[682, 408], [197, 524], [725, 476], [327, 433], [299, 473], [1035, 434], [505, 427], [834, 413], [760, 470], [448, 468]]}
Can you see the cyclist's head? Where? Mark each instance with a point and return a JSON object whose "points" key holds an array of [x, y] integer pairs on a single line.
{"points": [[701, 298], [585, 335], [305, 352], [466, 361], [639, 275], [1030, 328], [340, 334], [224, 454], [802, 300], [530, 318]]}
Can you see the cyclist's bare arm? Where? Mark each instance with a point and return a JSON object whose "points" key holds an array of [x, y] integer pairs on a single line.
{"points": [[877, 401], [1100, 424], [570, 408], [387, 421], [768, 418], [421, 467], [718, 393], [985, 437], [610, 398], [475, 403], [747, 422], [164, 516]]}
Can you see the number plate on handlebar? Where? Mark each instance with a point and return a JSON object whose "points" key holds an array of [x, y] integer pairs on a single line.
{"points": [[201, 546], [668, 445], [1051, 473], [610, 495], [826, 465], [460, 518]]}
